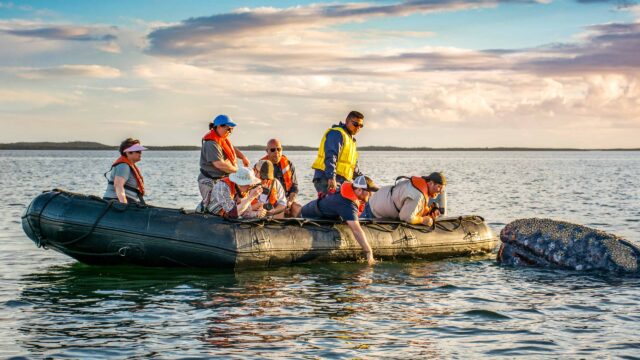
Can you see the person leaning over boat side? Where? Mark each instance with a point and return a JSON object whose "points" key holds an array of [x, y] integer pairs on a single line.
{"points": [[285, 172], [126, 183], [337, 159], [231, 197], [408, 200], [272, 199], [346, 204], [218, 157]]}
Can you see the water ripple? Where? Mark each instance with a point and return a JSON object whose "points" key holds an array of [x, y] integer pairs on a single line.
{"points": [[50, 306]]}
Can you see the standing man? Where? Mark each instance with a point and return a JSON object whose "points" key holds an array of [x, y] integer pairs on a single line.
{"points": [[285, 172], [218, 157], [346, 205], [409, 200], [337, 159]]}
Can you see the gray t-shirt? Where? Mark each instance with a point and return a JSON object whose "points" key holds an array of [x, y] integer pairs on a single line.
{"points": [[122, 170], [211, 152]]}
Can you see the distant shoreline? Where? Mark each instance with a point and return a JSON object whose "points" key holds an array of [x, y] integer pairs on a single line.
{"points": [[83, 145]]}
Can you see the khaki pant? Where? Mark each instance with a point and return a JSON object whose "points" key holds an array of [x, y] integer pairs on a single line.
{"points": [[205, 186]]}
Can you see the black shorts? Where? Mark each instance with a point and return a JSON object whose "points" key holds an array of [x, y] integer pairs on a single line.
{"points": [[310, 210]]}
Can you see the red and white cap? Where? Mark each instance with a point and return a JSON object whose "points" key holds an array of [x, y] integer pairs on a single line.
{"points": [[135, 147]]}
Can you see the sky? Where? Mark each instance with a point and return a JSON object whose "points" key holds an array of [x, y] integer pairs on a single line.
{"points": [[434, 73]]}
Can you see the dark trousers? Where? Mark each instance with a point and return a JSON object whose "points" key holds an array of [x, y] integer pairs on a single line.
{"points": [[322, 184]]}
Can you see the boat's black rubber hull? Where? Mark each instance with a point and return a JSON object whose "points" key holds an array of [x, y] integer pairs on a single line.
{"points": [[97, 232]]}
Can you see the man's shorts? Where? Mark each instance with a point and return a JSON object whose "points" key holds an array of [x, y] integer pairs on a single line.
{"points": [[310, 210]]}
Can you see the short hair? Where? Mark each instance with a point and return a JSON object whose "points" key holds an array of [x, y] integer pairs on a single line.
{"points": [[127, 143], [211, 127], [355, 114]]}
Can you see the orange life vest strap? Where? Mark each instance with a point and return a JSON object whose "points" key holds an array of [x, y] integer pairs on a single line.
{"points": [[420, 184], [232, 191], [287, 174], [136, 172], [273, 194], [225, 144], [347, 192]]}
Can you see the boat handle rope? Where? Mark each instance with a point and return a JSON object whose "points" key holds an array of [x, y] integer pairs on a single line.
{"points": [[42, 241], [271, 223], [109, 206]]}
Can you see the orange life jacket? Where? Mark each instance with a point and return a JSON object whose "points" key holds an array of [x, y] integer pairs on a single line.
{"points": [[273, 194], [134, 169], [232, 191], [420, 183], [287, 174], [347, 192], [224, 143]]}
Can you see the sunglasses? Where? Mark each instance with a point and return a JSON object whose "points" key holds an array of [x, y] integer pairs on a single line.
{"points": [[357, 124], [134, 152], [275, 149]]}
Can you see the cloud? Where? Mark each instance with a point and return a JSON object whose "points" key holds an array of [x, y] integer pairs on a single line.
{"points": [[88, 71], [27, 99], [222, 31], [65, 32], [300, 40], [10, 5], [27, 37], [606, 47]]}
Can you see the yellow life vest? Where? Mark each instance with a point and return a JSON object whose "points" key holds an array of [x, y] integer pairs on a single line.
{"points": [[347, 157]]}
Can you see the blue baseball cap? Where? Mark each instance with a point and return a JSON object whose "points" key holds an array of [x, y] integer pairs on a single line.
{"points": [[223, 120]]}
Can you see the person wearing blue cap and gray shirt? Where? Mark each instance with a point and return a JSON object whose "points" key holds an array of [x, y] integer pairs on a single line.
{"points": [[218, 157]]}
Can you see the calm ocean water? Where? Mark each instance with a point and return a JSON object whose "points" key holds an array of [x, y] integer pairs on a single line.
{"points": [[463, 308]]}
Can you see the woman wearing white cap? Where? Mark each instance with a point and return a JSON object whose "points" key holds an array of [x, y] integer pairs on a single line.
{"points": [[232, 196], [125, 183]]}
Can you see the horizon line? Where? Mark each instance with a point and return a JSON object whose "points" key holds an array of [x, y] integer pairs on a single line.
{"points": [[88, 145]]}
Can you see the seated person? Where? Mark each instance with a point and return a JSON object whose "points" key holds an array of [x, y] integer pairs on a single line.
{"points": [[125, 183], [231, 197], [408, 200], [285, 172], [273, 198], [345, 205]]}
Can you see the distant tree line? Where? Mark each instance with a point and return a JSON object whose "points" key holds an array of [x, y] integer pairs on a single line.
{"points": [[87, 145]]}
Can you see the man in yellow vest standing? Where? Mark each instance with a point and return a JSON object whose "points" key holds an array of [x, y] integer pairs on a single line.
{"points": [[337, 159]]}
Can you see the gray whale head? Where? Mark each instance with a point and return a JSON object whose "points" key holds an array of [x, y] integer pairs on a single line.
{"points": [[559, 244]]}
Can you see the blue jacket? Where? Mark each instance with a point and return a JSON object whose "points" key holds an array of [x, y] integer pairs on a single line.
{"points": [[332, 147]]}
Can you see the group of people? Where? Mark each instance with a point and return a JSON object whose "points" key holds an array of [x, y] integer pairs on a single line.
{"points": [[270, 187]]}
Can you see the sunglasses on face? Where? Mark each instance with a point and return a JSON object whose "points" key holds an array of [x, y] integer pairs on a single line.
{"points": [[357, 124], [135, 152], [275, 149]]}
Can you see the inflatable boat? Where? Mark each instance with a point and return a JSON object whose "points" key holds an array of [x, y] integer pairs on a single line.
{"points": [[99, 232]]}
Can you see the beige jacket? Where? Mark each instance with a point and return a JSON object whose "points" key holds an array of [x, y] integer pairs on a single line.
{"points": [[406, 198]]}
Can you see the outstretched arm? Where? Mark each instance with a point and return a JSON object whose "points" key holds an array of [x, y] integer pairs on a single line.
{"points": [[361, 238], [241, 156]]}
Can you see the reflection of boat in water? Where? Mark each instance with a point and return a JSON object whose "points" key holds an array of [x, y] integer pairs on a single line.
{"points": [[95, 231]]}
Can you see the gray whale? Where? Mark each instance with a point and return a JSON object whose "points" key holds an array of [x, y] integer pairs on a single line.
{"points": [[559, 244]]}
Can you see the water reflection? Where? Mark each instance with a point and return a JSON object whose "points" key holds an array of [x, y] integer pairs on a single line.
{"points": [[463, 308], [340, 308]]}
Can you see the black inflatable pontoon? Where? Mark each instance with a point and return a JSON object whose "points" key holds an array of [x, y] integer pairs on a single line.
{"points": [[99, 232]]}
